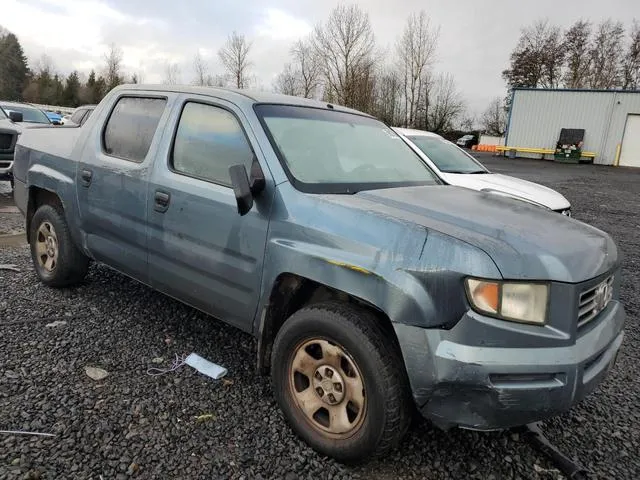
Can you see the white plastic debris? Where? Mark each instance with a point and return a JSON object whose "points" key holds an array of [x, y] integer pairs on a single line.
{"points": [[12, 267], [57, 323], [205, 366], [22, 432]]}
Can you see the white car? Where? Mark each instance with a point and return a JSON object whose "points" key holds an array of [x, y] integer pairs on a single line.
{"points": [[457, 167]]}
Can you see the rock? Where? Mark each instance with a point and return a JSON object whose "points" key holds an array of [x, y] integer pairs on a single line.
{"points": [[96, 373], [157, 360], [11, 374], [133, 468]]}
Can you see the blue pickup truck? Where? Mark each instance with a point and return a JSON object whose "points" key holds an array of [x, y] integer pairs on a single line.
{"points": [[372, 287]]}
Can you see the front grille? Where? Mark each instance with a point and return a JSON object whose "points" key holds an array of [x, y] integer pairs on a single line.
{"points": [[6, 141], [5, 163], [594, 300]]}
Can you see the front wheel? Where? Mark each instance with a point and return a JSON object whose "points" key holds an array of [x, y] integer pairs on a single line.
{"points": [[341, 382], [57, 260]]}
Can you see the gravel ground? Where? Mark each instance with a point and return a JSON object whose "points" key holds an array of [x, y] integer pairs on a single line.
{"points": [[11, 220], [134, 424]]}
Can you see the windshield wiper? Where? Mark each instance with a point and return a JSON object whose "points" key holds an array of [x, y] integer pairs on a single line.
{"points": [[477, 172]]}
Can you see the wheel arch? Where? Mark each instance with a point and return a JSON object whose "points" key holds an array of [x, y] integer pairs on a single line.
{"points": [[39, 196], [289, 293]]}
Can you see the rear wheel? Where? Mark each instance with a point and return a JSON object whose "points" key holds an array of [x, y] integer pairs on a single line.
{"points": [[57, 260], [340, 382]]}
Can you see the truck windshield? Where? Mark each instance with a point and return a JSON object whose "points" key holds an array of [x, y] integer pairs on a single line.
{"points": [[446, 156], [29, 114], [325, 151]]}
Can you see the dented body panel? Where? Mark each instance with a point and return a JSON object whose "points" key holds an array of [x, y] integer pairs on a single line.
{"points": [[404, 252]]}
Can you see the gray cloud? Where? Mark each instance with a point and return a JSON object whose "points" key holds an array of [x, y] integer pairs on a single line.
{"points": [[475, 40]]}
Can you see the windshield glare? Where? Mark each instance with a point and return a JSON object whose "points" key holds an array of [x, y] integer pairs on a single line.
{"points": [[335, 152], [446, 156], [32, 115]]}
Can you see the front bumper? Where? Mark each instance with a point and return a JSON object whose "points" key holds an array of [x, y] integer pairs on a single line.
{"points": [[492, 388]]}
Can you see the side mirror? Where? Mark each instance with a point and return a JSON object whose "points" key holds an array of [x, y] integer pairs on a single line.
{"points": [[16, 116], [241, 188], [56, 122], [256, 178]]}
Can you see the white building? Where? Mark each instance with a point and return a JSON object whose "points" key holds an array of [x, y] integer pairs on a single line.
{"points": [[610, 118]]}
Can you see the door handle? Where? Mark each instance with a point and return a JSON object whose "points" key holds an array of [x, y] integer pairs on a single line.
{"points": [[86, 176], [161, 203]]}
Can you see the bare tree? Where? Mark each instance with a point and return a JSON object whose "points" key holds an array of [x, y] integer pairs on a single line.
{"points": [[468, 122], [234, 55], [494, 118], [202, 76], [43, 66], [576, 45], [538, 57], [605, 55], [308, 66], [446, 104], [631, 63], [171, 74], [389, 97], [345, 46], [288, 81], [113, 70], [416, 51]]}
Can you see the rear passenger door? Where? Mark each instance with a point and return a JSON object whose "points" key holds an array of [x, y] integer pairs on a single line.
{"points": [[112, 180], [201, 250]]}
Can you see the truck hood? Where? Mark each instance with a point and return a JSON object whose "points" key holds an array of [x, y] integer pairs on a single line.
{"points": [[512, 186], [525, 242]]}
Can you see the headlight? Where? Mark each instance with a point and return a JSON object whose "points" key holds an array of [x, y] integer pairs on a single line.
{"points": [[515, 301]]}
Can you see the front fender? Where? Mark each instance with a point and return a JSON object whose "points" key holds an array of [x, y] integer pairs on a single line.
{"points": [[427, 294]]}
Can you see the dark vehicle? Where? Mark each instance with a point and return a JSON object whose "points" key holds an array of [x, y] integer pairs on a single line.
{"points": [[8, 137], [11, 125], [372, 288], [80, 115], [30, 114], [467, 141]]}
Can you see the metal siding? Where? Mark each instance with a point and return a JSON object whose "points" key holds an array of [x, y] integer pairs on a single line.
{"points": [[538, 115]]}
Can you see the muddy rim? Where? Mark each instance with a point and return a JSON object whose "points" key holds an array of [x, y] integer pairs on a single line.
{"points": [[47, 247], [328, 387]]}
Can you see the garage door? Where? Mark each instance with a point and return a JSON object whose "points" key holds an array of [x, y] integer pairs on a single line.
{"points": [[630, 153]]}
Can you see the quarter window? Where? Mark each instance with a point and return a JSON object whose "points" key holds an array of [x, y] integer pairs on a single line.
{"points": [[208, 141], [132, 126]]}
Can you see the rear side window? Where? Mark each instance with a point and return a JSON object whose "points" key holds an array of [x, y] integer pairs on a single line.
{"points": [[131, 127], [77, 116], [208, 141]]}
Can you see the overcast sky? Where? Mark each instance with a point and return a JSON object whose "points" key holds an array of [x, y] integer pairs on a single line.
{"points": [[475, 37]]}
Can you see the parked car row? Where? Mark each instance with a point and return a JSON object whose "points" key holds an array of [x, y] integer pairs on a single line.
{"points": [[374, 285], [17, 116]]}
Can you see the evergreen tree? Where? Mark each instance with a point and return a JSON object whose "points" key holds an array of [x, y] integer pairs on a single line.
{"points": [[71, 94], [14, 69]]}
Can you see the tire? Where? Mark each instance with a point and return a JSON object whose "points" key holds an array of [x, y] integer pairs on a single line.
{"points": [[67, 265], [381, 420]]}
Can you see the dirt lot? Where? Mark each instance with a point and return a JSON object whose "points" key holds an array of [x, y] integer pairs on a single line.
{"points": [[134, 424]]}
